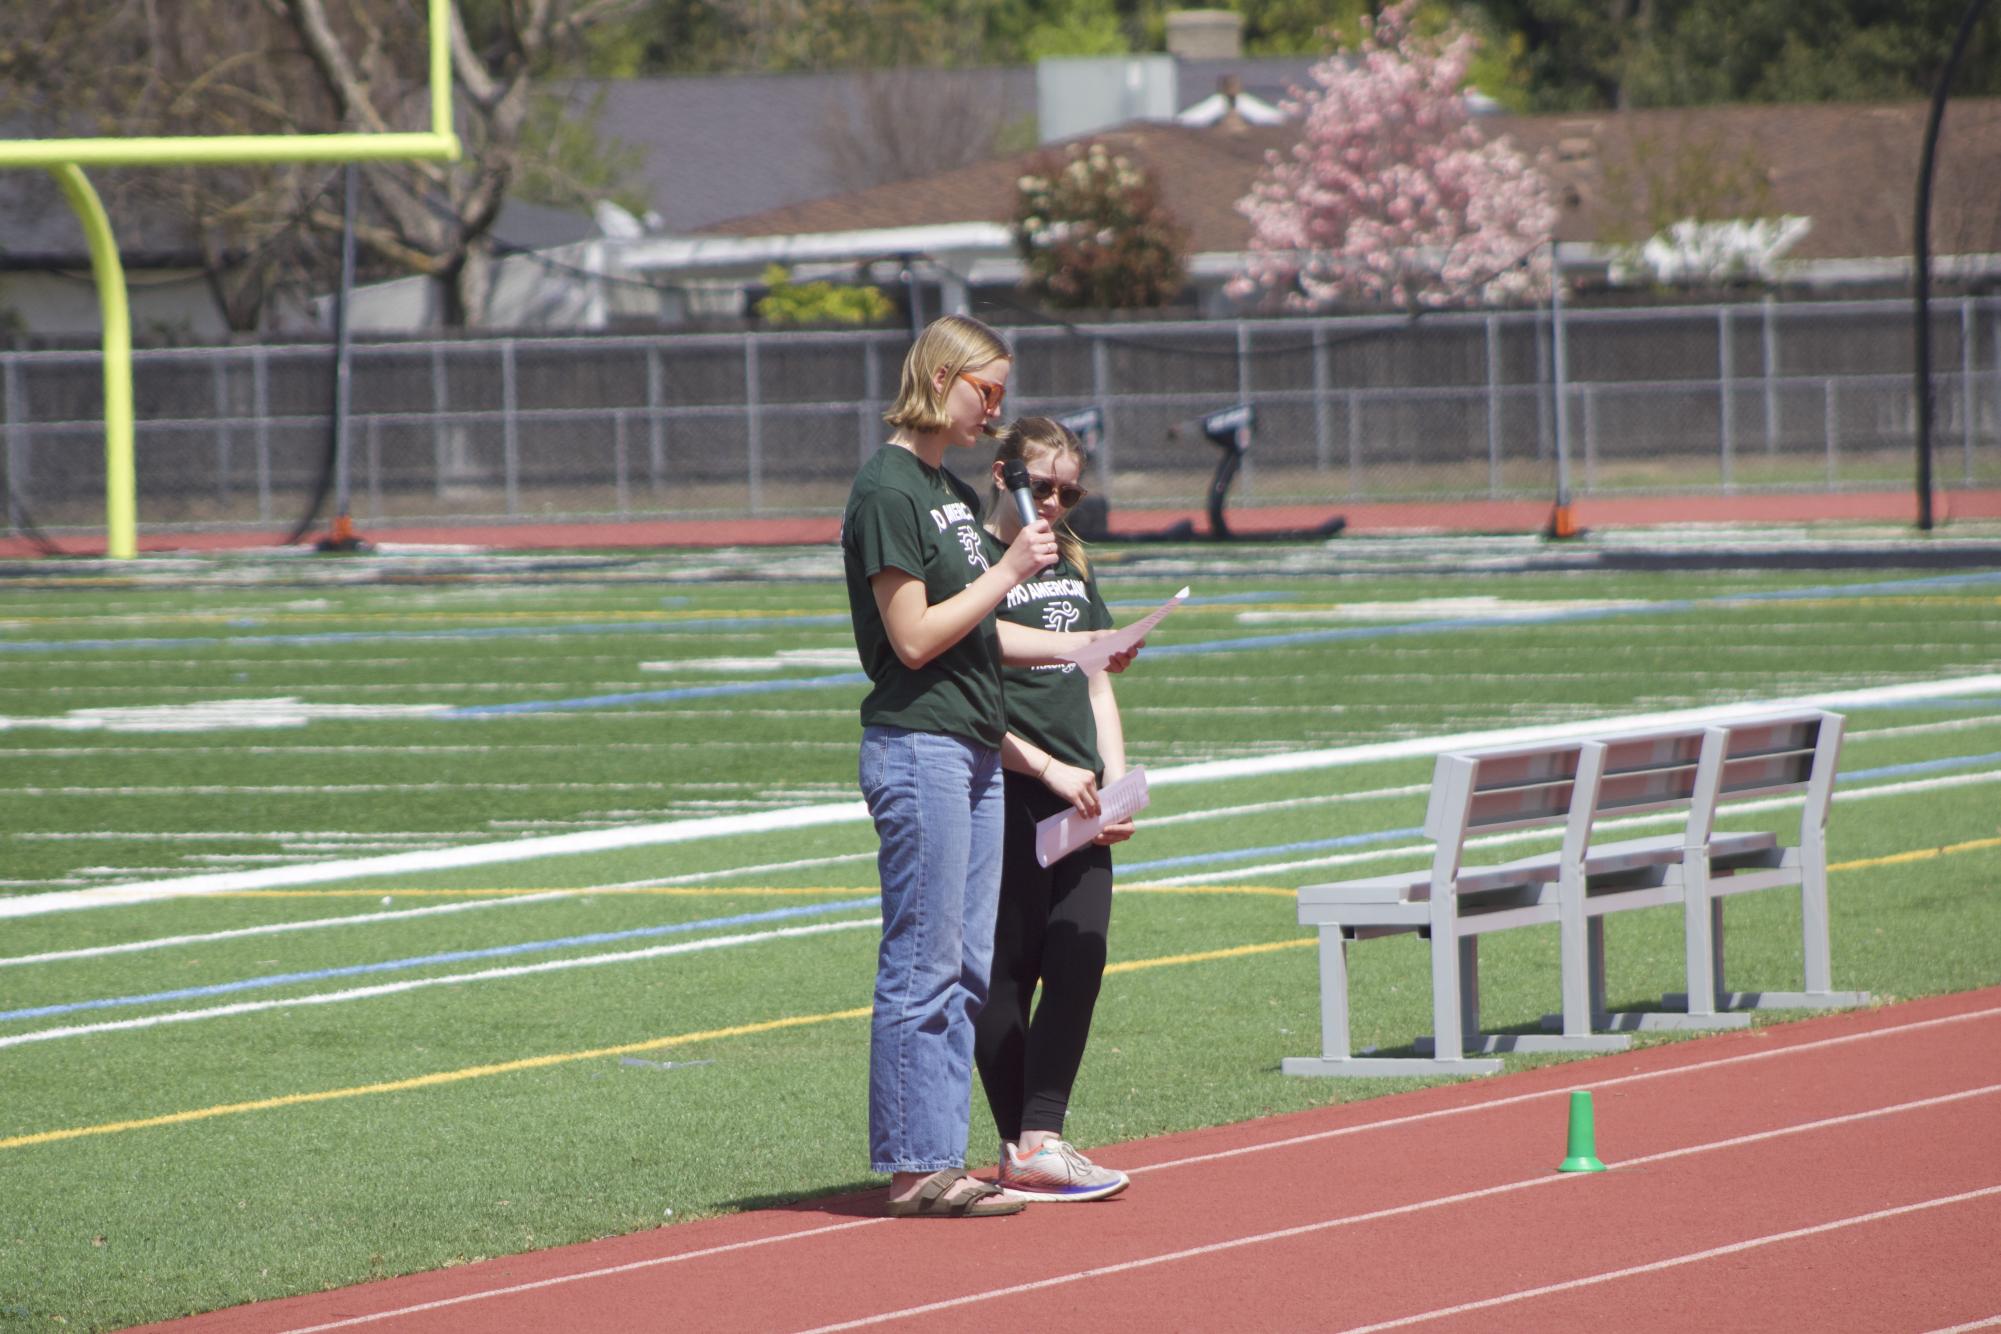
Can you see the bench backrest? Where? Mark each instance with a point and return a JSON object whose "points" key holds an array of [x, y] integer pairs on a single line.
{"points": [[1575, 781]]}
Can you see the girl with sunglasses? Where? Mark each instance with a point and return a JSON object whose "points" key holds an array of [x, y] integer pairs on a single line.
{"points": [[923, 583], [1064, 739]]}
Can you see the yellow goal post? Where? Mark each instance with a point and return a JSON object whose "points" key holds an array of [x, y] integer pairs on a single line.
{"points": [[65, 159]]}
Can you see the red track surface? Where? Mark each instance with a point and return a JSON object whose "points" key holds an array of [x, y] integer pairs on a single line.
{"points": [[1897, 507], [1842, 1173]]}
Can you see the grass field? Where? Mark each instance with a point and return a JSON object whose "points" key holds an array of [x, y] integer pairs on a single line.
{"points": [[618, 971]]}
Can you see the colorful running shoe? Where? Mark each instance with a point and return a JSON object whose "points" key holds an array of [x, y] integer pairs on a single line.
{"points": [[1056, 1172]]}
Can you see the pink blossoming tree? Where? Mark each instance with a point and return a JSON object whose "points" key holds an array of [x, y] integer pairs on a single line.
{"points": [[1392, 194]]}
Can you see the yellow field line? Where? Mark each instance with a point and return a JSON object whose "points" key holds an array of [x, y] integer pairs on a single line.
{"points": [[1917, 855], [558, 1058], [427, 1081], [765, 1026]]}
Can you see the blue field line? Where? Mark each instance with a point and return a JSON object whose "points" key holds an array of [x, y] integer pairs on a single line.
{"points": [[1675, 605], [655, 696], [1918, 767], [374, 636], [1274, 850], [454, 956], [1240, 644]]}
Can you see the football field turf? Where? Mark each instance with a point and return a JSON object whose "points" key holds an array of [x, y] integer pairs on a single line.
{"points": [[367, 916]]}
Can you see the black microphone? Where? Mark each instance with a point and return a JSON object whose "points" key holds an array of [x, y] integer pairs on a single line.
{"points": [[1014, 476]]}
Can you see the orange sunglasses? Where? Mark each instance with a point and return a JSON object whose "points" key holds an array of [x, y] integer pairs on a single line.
{"points": [[990, 393]]}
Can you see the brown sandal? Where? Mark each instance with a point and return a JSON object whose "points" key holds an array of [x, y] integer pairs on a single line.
{"points": [[981, 1201]]}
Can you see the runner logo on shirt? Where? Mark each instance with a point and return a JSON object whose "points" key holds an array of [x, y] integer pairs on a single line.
{"points": [[969, 538], [1060, 616]]}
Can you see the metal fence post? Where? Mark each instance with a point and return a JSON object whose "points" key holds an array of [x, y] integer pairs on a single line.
{"points": [[1831, 429], [1493, 324], [868, 426], [1101, 392], [17, 448], [656, 424], [1247, 471], [1725, 433], [1323, 407], [1967, 400], [510, 429], [753, 425], [260, 399], [219, 387], [618, 460], [440, 415], [1771, 335]]}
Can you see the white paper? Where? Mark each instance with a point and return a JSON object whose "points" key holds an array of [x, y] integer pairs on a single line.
{"points": [[1066, 831], [1094, 655]]}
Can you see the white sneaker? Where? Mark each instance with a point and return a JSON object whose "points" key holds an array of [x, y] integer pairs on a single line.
{"points": [[1056, 1172]]}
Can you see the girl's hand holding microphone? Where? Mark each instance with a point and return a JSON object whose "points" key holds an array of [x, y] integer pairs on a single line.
{"points": [[1032, 551]]}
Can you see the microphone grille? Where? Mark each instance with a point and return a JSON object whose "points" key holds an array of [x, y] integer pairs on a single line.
{"points": [[1014, 475]]}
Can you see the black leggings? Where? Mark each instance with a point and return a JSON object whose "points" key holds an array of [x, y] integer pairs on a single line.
{"points": [[1051, 926]]}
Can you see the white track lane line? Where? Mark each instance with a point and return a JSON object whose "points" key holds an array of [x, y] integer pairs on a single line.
{"points": [[1694, 1257], [1989, 1323], [1438, 1202], [1389, 1123]]}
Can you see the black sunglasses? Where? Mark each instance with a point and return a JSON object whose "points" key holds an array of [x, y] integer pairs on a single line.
{"points": [[1067, 494]]}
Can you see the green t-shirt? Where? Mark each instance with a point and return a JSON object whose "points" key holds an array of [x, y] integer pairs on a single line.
{"points": [[1051, 706], [903, 515]]}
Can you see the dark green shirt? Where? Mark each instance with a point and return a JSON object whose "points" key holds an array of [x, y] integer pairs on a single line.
{"points": [[904, 515], [1051, 706]]}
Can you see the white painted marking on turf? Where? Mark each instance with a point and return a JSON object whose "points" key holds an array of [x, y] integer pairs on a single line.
{"points": [[1989, 1323], [216, 715], [1419, 1206], [837, 813], [416, 984], [1417, 747], [785, 657], [481, 854], [1425, 609], [277, 928], [1676, 1261], [1525, 836]]}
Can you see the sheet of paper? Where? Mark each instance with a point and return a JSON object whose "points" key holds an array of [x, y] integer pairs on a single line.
{"points": [[1094, 655], [1066, 831]]}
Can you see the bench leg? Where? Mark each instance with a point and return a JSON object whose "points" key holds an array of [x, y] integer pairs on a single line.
{"points": [[1335, 1056], [1333, 994], [1581, 968], [1728, 1007]]}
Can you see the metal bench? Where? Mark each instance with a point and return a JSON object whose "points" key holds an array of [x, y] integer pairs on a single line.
{"points": [[1576, 785]]}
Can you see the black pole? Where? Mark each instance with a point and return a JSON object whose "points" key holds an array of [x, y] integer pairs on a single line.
{"points": [[1923, 259], [342, 535]]}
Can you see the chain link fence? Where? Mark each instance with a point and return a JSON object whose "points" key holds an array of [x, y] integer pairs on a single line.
{"points": [[1437, 410]]}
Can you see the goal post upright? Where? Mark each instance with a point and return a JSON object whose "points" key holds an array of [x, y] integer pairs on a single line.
{"points": [[64, 159]]}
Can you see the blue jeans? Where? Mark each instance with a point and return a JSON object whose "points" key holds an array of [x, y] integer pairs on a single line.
{"points": [[937, 805]]}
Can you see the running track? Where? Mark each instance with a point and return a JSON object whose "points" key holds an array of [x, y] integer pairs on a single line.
{"points": [[1840, 1173]]}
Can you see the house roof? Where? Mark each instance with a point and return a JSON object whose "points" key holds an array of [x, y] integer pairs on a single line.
{"points": [[1200, 174], [1850, 168], [717, 147]]}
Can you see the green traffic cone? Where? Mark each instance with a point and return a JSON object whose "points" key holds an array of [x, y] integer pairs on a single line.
{"points": [[1583, 1149]]}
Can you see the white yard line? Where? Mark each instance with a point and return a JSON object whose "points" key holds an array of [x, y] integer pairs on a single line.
{"points": [[684, 831]]}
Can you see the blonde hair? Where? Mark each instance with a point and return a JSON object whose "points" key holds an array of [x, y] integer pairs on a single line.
{"points": [[952, 343], [1041, 435]]}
